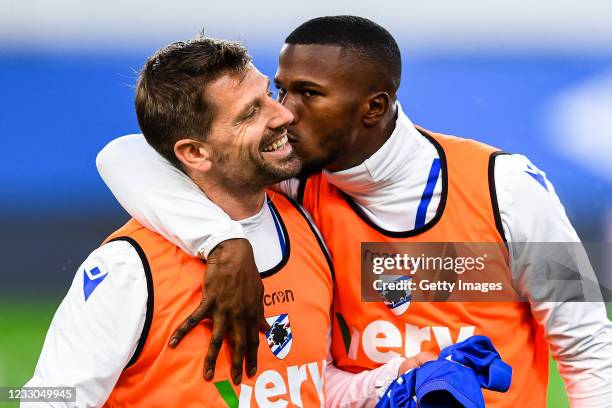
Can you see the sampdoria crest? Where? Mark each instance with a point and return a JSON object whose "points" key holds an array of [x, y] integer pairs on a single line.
{"points": [[397, 300], [279, 336]]}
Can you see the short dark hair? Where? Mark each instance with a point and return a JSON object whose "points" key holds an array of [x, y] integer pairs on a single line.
{"points": [[360, 34], [171, 103]]}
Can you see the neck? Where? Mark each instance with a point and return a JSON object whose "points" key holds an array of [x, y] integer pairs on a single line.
{"points": [[393, 163], [238, 203], [365, 143]]}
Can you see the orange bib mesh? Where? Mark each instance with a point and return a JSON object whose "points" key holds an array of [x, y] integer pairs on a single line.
{"points": [[298, 296]]}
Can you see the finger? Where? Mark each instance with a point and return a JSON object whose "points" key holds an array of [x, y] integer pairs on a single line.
{"points": [[192, 321], [425, 356], [251, 349], [263, 324], [416, 361], [216, 341], [238, 346]]}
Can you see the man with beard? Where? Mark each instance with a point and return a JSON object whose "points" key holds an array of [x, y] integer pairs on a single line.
{"points": [[203, 106], [385, 180]]}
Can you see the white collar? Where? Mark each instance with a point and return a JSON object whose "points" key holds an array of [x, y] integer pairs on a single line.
{"points": [[253, 222]]}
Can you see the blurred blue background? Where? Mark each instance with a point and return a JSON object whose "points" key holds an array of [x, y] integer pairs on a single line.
{"points": [[529, 78]]}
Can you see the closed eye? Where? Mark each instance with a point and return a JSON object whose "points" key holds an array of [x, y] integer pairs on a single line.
{"points": [[248, 114], [254, 109]]}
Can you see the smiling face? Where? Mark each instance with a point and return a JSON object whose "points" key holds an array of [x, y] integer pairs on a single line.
{"points": [[324, 91], [248, 136]]}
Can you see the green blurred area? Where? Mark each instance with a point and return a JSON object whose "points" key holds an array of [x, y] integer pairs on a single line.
{"points": [[23, 325]]}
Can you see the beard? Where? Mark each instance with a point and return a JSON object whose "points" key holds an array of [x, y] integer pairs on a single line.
{"points": [[248, 170], [268, 173], [251, 172]]}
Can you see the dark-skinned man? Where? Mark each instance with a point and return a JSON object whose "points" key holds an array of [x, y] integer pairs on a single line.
{"points": [[385, 180]]}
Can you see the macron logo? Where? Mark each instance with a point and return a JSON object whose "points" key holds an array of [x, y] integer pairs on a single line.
{"points": [[537, 175], [91, 280]]}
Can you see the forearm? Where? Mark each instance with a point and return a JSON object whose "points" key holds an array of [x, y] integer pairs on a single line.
{"points": [[551, 268], [345, 389], [351, 390], [580, 336], [163, 198]]}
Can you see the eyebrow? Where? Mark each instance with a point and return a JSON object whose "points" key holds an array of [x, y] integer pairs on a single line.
{"points": [[301, 84]]}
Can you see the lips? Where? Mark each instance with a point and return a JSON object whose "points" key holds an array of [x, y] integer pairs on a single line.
{"points": [[292, 138]]}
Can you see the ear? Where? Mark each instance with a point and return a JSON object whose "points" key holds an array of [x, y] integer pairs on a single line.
{"points": [[194, 155], [376, 106]]}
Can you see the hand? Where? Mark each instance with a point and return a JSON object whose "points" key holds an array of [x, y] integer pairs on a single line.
{"points": [[233, 299], [416, 361]]}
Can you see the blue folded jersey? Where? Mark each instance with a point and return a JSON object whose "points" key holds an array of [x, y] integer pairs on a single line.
{"points": [[456, 379]]}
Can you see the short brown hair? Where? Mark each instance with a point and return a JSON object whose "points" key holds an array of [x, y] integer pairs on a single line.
{"points": [[170, 94]]}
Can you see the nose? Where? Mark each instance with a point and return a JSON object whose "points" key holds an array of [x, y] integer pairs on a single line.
{"points": [[288, 102], [282, 116]]}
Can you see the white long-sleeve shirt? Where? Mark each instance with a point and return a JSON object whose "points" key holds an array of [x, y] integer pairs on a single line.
{"points": [[96, 328], [388, 187]]}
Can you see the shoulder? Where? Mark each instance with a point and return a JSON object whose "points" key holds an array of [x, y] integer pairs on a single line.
{"points": [[96, 328], [109, 288], [528, 203], [517, 175], [117, 253], [110, 271]]}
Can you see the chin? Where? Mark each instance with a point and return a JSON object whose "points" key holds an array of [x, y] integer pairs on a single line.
{"points": [[274, 173]]}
